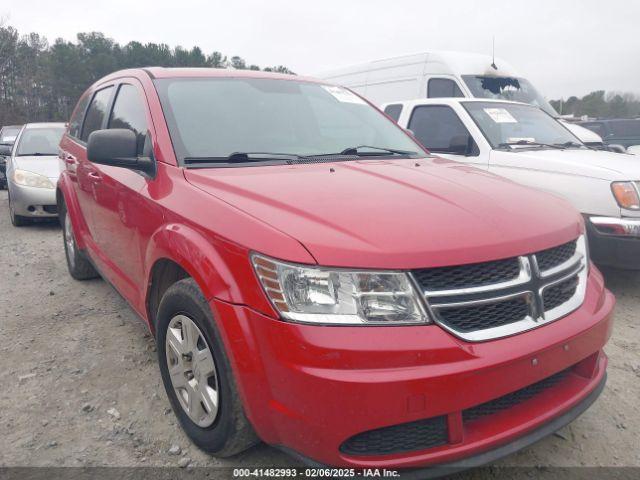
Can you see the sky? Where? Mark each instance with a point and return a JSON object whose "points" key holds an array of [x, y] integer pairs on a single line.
{"points": [[564, 47]]}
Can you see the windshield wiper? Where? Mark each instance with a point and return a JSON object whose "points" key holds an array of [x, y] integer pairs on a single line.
{"points": [[531, 144], [570, 144], [37, 154], [242, 157], [382, 151]]}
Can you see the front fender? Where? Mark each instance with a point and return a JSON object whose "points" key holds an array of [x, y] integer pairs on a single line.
{"points": [[65, 194], [218, 266]]}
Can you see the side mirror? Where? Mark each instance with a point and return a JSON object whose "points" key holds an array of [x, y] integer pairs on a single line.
{"points": [[5, 149], [460, 145], [614, 147], [118, 147]]}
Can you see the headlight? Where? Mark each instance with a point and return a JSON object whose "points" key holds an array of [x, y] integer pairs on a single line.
{"points": [[30, 179], [339, 296], [626, 194]]}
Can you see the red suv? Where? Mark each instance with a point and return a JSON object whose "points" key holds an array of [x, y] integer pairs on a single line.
{"points": [[315, 279]]}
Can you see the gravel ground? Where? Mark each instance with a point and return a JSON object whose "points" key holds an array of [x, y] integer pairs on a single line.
{"points": [[80, 385]]}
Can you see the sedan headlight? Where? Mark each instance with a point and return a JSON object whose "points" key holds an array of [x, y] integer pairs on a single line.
{"points": [[339, 296], [30, 179], [626, 194]]}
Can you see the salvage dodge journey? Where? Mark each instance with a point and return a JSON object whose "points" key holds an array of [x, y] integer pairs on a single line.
{"points": [[316, 280]]}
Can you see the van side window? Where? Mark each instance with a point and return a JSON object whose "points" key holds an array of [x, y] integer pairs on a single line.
{"points": [[439, 128], [443, 88], [393, 111], [129, 111], [96, 113], [75, 124]]}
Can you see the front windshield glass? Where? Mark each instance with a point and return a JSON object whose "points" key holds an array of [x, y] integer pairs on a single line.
{"points": [[212, 118], [507, 88], [40, 141], [505, 123], [9, 134]]}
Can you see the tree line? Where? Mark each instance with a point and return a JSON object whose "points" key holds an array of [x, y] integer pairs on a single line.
{"points": [[600, 104], [42, 82]]}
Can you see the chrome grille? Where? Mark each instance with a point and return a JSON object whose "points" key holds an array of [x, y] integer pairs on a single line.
{"points": [[485, 315], [465, 276], [546, 286], [553, 257]]}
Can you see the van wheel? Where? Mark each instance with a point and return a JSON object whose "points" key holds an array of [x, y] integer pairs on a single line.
{"points": [[17, 220], [78, 265], [197, 375]]}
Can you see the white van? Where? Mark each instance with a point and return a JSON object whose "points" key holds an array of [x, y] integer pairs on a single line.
{"points": [[445, 74]]}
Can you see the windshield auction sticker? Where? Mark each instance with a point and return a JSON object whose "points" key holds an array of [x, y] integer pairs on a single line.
{"points": [[343, 95], [500, 115]]}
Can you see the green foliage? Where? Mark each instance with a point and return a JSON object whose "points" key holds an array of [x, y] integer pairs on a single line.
{"points": [[42, 82], [600, 104]]}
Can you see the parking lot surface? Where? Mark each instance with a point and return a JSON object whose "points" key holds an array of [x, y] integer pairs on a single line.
{"points": [[80, 385]]}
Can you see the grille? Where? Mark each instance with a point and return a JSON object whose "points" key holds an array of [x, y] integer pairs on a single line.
{"points": [[553, 257], [465, 276], [488, 315], [510, 400], [557, 294], [406, 437]]}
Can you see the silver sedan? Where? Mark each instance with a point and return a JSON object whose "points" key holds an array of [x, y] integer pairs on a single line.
{"points": [[33, 169]]}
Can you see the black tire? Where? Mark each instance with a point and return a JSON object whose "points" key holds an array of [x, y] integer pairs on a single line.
{"points": [[17, 220], [231, 432], [78, 265]]}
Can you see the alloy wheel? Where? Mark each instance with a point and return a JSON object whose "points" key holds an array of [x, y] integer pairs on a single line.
{"points": [[192, 370], [69, 240]]}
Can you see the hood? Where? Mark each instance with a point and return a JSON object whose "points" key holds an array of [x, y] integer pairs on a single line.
{"points": [[49, 165], [395, 214], [579, 162], [584, 134]]}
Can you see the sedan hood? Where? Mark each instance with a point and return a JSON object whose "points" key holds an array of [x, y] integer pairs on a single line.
{"points": [[579, 162], [49, 165], [395, 214]]}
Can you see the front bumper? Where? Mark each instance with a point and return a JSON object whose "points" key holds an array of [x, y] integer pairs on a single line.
{"points": [[614, 242], [33, 202], [310, 388]]}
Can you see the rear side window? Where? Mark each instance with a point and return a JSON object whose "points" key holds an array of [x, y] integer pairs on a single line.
{"points": [[435, 126], [129, 111], [443, 88], [75, 124], [393, 111], [96, 113]]}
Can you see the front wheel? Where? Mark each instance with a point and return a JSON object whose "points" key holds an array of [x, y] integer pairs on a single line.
{"points": [[78, 265], [17, 220], [197, 375]]}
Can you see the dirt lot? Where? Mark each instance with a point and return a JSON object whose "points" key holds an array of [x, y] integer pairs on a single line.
{"points": [[80, 385]]}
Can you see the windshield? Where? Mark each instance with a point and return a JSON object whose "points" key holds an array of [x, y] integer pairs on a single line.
{"points": [[213, 118], [9, 134], [507, 88], [505, 123], [40, 141]]}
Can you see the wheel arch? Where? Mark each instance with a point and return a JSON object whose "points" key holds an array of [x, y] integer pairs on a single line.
{"points": [[177, 251], [65, 197]]}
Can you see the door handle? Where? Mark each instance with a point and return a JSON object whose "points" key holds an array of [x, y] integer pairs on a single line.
{"points": [[70, 160], [94, 176]]}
